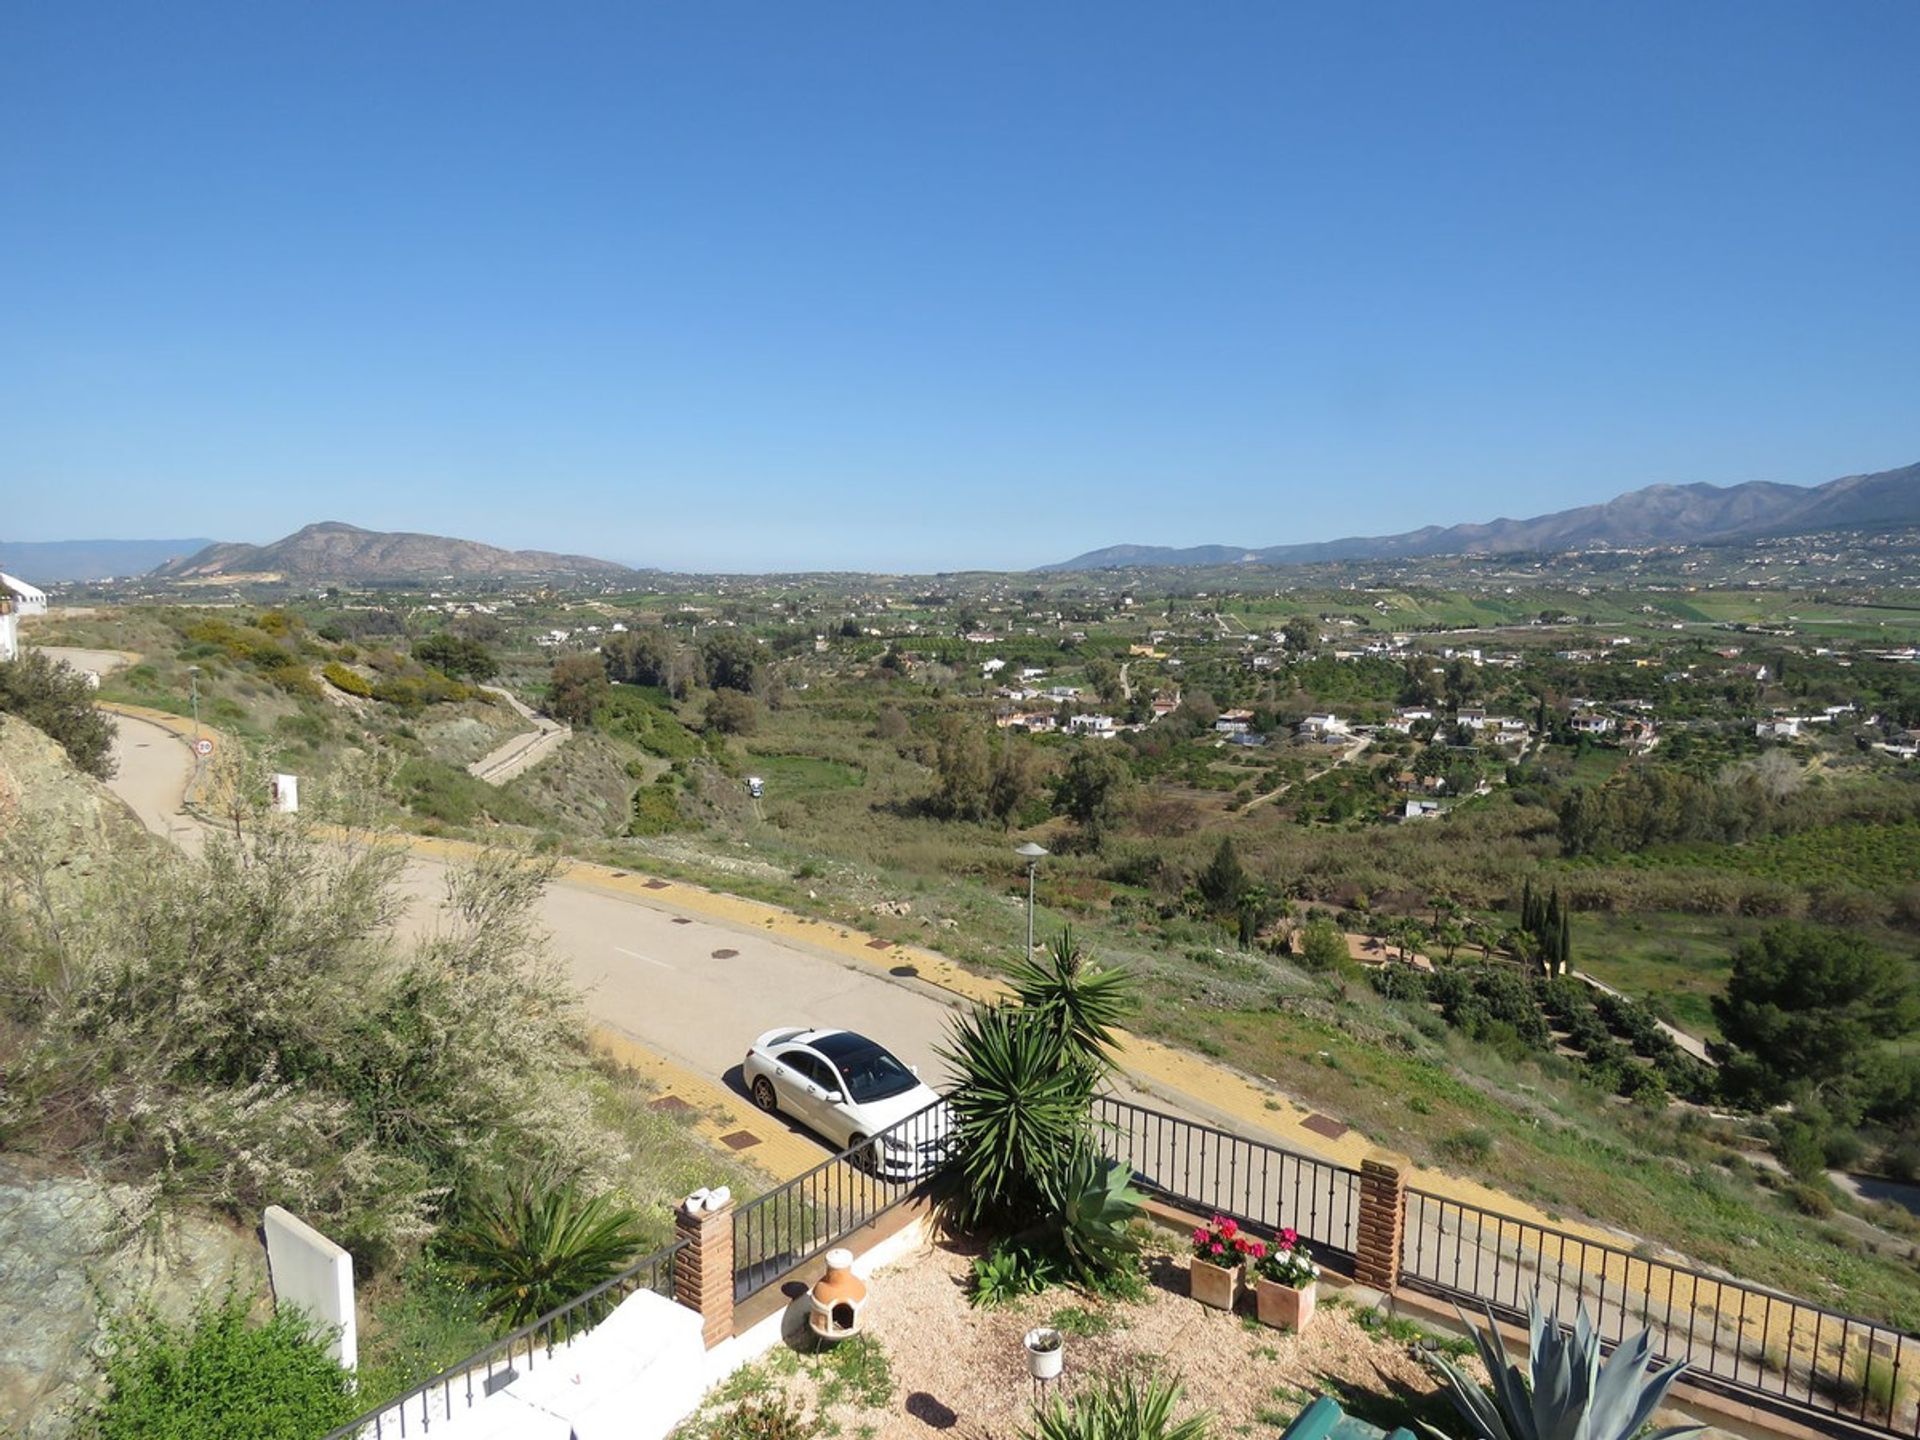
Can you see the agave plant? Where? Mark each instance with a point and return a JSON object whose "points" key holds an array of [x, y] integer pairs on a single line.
{"points": [[1097, 1206], [1571, 1394], [1119, 1409]]}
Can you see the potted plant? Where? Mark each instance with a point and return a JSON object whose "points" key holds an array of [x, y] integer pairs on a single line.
{"points": [[1220, 1249], [1284, 1283], [1046, 1352]]}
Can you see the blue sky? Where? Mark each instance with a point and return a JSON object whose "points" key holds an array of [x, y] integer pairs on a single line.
{"points": [[895, 287]]}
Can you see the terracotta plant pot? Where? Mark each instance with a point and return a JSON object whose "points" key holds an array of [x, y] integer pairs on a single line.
{"points": [[1215, 1285], [1283, 1307]]}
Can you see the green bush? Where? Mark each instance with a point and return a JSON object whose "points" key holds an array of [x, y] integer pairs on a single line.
{"points": [[774, 1418], [655, 811], [219, 1375], [348, 682], [1010, 1271], [55, 698], [532, 1246], [1119, 1408]]}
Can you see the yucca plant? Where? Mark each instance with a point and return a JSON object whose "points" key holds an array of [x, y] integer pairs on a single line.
{"points": [[1570, 1394], [1083, 1004], [1019, 1116], [529, 1248], [1119, 1409]]}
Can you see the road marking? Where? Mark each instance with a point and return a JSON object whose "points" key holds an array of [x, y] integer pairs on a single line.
{"points": [[636, 955]]}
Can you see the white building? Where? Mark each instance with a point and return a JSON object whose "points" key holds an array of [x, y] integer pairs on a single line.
{"points": [[1325, 727], [1100, 727], [17, 599]]}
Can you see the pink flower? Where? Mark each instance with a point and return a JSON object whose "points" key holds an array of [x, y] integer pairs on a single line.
{"points": [[1200, 1236], [1289, 1238], [1218, 1248], [1229, 1228], [1257, 1250]]}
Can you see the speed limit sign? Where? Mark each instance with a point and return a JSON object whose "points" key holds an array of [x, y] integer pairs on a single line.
{"points": [[203, 746]]}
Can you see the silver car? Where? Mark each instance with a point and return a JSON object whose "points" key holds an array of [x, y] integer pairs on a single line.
{"points": [[853, 1092]]}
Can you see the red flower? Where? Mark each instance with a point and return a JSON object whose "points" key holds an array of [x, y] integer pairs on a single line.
{"points": [[1257, 1250], [1289, 1238], [1229, 1228]]}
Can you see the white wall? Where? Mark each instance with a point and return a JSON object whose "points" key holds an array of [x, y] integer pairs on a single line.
{"points": [[9, 636], [310, 1271]]}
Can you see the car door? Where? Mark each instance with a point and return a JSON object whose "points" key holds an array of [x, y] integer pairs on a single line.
{"points": [[806, 1089]]}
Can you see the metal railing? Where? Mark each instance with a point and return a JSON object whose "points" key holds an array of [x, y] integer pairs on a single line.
{"points": [[1215, 1172], [1739, 1338], [458, 1388], [786, 1227]]}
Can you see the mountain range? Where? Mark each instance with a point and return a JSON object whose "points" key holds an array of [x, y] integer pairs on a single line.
{"points": [[1657, 515], [333, 551], [46, 562]]}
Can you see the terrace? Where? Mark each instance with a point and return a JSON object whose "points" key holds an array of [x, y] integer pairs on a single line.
{"points": [[719, 1319]]}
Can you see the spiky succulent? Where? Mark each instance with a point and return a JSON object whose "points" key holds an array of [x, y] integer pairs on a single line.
{"points": [[1572, 1394]]}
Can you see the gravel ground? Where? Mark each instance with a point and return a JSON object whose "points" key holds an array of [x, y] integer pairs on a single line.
{"points": [[962, 1372]]}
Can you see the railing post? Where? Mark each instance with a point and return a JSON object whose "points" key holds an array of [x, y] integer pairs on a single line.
{"points": [[1383, 1209], [703, 1269]]}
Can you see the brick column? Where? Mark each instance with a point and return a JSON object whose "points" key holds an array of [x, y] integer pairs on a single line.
{"points": [[1383, 1208], [703, 1270]]}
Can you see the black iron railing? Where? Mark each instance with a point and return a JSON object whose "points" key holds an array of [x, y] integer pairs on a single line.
{"points": [[811, 1213], [434, 1402], [1214, 1172], [1736, 1337]]}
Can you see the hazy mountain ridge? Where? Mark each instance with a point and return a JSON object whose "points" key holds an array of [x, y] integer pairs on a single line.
{"points": [[45, 562], [332, 550], [1655, 515]]}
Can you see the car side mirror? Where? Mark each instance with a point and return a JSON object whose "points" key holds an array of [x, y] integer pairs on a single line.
{"points": [[834, 1097], [914, 1070]]}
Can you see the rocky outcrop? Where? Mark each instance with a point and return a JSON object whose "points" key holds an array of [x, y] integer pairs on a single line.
{"points": [[74, 1252], [70, 818]]}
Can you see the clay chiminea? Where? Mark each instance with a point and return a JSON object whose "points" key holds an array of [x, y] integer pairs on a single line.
{"points": [[838, 1299]]}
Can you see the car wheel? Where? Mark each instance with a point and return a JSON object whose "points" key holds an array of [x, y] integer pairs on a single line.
{"points": [[763, 1095], [863, 1155]]}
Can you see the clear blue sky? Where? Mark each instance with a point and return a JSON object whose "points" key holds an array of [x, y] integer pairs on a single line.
{"points": [[911, 287]]}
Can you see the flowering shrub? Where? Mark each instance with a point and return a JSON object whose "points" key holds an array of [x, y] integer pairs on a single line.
{"points": [[1288, 1263], [1221, 1242]]}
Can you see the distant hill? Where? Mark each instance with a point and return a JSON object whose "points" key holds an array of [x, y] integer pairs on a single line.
{"points": [[1657, 515], [333, 551], [46, 561]]}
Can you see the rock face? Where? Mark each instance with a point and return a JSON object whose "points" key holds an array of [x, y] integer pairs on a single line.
{"points": [[73, 1252], [71, 817]]}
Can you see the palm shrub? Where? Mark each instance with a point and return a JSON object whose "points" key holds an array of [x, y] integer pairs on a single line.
{"points": [[1119, 1408], [529, 1248], [1024, 1162], [1082, 1003], [1569, 1394], [1019, 1115]]}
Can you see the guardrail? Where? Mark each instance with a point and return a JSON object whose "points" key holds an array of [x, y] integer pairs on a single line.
{"points": [[1216, 1172], [1738, 1338], [788, 1226], [458, 1388]]}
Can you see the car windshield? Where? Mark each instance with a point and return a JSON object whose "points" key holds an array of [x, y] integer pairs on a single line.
{"points": [[871, 1073]]}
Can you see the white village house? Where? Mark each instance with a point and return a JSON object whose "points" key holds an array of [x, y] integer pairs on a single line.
{"points": [[17, 599]]}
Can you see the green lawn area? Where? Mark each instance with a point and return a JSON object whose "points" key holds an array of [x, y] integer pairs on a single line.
{"points": [[1677, 962], [1872, 857], [793, 775]]}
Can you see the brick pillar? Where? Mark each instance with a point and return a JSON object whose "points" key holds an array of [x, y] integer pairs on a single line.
{"points": [[1383, 1208], [703, 1270]]}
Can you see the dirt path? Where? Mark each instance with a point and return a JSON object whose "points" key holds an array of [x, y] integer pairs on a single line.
{"points": [[522, 752], [1347, 757]]}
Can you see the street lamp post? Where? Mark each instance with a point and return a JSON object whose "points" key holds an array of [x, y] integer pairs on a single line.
{"points": [[1032, 854], [193, 680]]}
